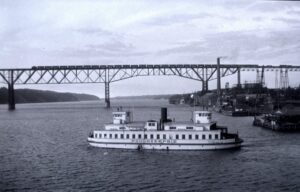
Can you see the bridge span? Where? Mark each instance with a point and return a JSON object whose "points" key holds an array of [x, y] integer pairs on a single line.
{"points": [[75, 74]]}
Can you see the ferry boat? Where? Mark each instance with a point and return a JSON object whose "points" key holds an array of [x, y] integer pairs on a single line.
{"points": [[201, 133]]}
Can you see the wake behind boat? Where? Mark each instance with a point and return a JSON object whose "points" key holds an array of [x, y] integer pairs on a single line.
{"points": [[199, 134]]}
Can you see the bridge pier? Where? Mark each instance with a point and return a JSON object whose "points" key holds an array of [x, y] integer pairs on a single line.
{"points": [[284, 79], [106, 89], [107, 99], [204, 86], [238, 77], [204, 80], [219, 91], [11, 91]]}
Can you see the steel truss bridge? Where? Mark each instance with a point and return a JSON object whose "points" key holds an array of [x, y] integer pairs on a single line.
{"points": [[112, 73]]}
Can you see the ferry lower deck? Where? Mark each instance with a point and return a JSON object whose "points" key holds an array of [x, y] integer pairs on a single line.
{"points": [[164, 140]]}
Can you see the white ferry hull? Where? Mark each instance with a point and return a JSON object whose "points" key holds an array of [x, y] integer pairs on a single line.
{"points": [[163, 146]]}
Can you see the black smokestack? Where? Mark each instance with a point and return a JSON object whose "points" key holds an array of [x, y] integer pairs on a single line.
{"points": [[164, 114], [163, 118]]}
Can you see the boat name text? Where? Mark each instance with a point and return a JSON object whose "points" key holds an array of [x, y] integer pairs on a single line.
{"points": [[153, 141]]}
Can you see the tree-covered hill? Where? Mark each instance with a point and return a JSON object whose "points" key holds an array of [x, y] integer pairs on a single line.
{"points": [[40, 96]]}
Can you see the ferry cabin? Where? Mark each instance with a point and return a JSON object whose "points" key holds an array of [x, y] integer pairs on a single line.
{"points": [[201, 133]]}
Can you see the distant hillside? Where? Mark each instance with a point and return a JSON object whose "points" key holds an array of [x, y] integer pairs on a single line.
{"points": [[144, 97], [39, 96]]}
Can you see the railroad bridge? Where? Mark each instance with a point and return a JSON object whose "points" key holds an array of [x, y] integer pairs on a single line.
{"points": [[108, 74]]}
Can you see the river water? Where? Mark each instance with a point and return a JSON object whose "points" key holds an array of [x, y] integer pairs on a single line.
{"points": [[43, 147]]}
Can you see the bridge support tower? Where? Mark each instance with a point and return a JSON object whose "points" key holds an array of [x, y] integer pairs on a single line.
{"points": [[239, 77], [204, 86], [11, 91], [204, 80], [106, 84], [107, 99], [219, 91]]}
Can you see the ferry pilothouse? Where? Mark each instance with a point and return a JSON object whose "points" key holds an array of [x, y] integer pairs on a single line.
{"points": [[199, 134]]}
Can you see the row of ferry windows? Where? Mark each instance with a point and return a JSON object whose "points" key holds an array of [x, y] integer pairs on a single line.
{"points": [[186, 127], [152, 136]]}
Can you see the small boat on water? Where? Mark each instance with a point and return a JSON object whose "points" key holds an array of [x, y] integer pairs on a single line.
{"points": [[278, 122], [198, 134], [286, 118]]}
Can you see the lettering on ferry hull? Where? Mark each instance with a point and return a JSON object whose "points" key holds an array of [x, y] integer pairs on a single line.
{"points": [[153, 141]]}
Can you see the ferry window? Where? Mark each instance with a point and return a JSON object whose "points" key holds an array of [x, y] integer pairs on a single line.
{"points": [[140, 136], [216, 136], [145, 136], [110, 135], [190, 136], [151, 136], [203, 136], [196, 136], [209, 136], [127, 136], [122, 136], [96, 135], [133, 136], [172, 127], [100, 135], [104, 135], [177, 136], [164, 136], [151, 124], [116, 136], [189, 127], [183, 136], [157, 136]]}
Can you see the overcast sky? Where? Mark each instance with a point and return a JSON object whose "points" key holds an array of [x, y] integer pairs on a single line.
{"points": [[94, 32]]}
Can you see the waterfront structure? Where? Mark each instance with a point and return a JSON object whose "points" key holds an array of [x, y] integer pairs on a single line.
{"points": [[201, 133]]}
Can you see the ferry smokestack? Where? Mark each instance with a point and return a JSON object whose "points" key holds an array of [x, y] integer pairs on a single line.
{"points": [[164, 115], [163, 118]]}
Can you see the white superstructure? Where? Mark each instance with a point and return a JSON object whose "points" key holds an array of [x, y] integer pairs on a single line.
{"points": [[199, 134]]}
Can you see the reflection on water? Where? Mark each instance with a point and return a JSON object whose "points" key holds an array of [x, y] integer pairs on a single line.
{"points": [[43, 147]]}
